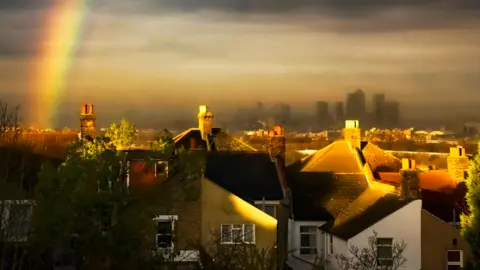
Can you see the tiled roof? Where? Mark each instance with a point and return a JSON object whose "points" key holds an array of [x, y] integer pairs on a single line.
{"points": [[440, 194], [250, 176], [330, 185], [320, 196], [369, 208], [379, 160], [434, 181], [220, 140], [337, 157]]}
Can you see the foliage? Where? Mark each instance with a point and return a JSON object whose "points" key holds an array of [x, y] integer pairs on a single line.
{"points": [[240, 256], [86, 200], [366, 258], [121, 135], [471, 220], [163, 140]]}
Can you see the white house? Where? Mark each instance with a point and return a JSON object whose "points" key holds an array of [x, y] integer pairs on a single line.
{"points": [[337, 203]]}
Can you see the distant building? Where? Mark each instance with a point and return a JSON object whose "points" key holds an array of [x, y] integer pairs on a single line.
{"points": [[323, 118], [356, 105], [378, 110], [391, 113], [339, 112]]}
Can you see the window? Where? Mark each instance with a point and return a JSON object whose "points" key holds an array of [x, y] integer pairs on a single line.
{"points": [[329, 243], [269, 207], [454, 259], [238, 233], [161, 168], [308, 240], [165, 226], [385, 251], [15, 222]]}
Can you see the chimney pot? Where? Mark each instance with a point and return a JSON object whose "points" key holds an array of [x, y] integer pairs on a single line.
{"points": [[408, 164]]}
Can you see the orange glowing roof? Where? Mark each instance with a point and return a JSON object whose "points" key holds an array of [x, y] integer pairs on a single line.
{"points": [[435, 181]]}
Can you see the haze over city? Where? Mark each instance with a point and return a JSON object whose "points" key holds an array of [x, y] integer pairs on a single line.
{"points": [[155, 57]]}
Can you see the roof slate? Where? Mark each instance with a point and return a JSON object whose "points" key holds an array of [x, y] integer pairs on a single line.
{"points": [[369, 208], [379, 160], [250, 176], [337, 157], [330, 185], [220, 140]]}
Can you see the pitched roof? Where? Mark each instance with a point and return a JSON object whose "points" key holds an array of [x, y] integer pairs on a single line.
{"points": [[220, 140], [318, 196], [441, 195], [369, 208], [379, 160], [250, 176], [330, 185], [337, 157], [434, 180]]}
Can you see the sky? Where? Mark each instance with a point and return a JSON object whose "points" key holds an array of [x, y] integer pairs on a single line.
{"points": [[154, 56]]}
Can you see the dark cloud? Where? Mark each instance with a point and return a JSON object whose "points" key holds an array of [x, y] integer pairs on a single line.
{"points": [[9, 5]]}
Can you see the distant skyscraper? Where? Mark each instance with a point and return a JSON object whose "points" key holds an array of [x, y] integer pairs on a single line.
{"points": [[356, 107], [391, 114], [339, 112], [378, 109], [322, 116]]}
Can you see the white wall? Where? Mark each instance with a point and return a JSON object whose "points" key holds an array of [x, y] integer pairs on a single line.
{"points": [[297, 261], [404, 224]]}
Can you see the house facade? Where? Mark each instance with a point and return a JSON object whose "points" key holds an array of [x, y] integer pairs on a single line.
{"points": [[443, 248], [338, 203], [237, 199]]}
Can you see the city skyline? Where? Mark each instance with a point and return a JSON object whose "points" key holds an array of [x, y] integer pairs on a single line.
{"points": [[174, 55]]}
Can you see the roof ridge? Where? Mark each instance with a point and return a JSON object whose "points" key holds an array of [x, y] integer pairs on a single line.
{"points": [[324, 151], [241, 142]]}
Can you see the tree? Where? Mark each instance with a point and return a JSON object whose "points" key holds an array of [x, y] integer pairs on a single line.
{"points": [[86, 201], [17, 163], [471, 219], [367, 259], [121, 135]]}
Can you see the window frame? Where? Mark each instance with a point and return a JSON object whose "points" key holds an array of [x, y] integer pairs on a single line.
{"points": [[315, 247], [165, 219], [391, 247], [261, 205], [5, 218], [158, 162], [155, 168], [232, 241], [329, 240], [449, 263]]}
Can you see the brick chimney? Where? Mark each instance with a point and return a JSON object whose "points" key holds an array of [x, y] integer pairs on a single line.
{"points": [[277, 144], [352, 133], [410, 182], [205, 122], [87, 121], [457, 163]]}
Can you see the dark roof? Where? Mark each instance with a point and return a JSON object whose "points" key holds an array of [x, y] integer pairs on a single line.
{"points": [[379, 160], [330, 185], [366, 210], [440, 193], [320, 196], [250, 176], [220, 140]]}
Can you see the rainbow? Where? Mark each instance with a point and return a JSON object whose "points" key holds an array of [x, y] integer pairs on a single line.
{"points": [[64, 23]]}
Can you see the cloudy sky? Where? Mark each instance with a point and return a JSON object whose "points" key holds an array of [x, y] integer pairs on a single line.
{"points": [[174, 54]]}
